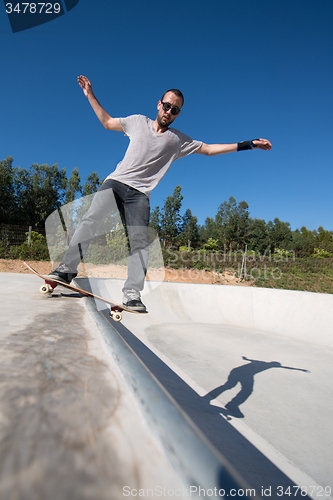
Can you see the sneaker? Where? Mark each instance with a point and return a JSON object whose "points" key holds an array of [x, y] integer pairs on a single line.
{"points": [[63, 273], [132, 300]]}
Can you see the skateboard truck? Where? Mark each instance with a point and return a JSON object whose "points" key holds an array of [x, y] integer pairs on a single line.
{"points": [[48, 287], [115, 313]]}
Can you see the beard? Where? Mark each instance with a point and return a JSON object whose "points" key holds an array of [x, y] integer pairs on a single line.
{"points": [[164, 123]]}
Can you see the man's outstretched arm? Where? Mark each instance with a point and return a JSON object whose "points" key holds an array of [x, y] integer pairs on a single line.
{"points": [[106, 120], [219, 149]]}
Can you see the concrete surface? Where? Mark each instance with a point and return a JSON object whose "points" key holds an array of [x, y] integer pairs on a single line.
{"points": [[251, 367], [69, 429], [268, 353]]}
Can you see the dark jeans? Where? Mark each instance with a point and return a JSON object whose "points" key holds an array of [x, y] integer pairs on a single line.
{"points": [[135, 209]]}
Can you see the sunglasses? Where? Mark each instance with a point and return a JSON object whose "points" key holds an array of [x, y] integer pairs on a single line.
{"points": [[174, 109]]}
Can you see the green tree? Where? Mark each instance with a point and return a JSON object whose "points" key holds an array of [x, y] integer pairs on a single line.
{"points": [[92, 184], [8, 207], [208, 230], [189, 230], [324, 239], [155, 221], [73, 186], [303, 242], [39, 191], [258, 235], [280, 234], [232, 222], [170, 217]]}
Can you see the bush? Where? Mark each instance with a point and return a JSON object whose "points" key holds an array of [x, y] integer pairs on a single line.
{"points": [[36, 251], [184, 249], [3, 251], [283, 254], [319, 252], [211, 245], [4, 243]]}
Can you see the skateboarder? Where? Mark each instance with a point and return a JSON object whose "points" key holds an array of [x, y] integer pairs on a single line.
{"points": [[153, 146]]}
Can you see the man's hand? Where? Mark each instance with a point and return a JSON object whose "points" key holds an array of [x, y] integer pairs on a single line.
{"points": [[262, 144], [106, 120], [85, 85]]}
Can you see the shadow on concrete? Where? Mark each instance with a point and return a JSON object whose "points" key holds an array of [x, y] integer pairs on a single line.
{"points": [[244, 375], [250, 463]]}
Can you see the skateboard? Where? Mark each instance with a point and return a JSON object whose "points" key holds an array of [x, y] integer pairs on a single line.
{"points": [[50, 284]]}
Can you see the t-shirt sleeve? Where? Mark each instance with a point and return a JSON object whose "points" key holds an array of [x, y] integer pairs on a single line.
{"points": [[129, 123], [188, 146]]}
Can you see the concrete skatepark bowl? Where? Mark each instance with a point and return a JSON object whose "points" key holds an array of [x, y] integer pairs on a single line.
{"points": [[251, 367], [243, 369]]}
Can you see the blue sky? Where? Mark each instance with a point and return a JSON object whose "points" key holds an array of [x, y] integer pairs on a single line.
{"points": [[247, 70]]}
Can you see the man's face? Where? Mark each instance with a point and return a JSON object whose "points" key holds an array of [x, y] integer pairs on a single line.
{"points": [[165, 118]]}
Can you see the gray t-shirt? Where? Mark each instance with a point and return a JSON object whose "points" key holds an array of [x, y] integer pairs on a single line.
{"points": [[149, 155]]}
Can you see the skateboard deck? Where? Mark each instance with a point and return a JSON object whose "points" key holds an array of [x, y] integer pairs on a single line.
{"points": [[50, 284]]}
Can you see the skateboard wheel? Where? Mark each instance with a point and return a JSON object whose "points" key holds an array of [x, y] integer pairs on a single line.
{"points": [[45, 289], [116, 316]]}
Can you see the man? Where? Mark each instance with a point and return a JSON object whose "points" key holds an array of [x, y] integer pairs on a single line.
{"points": [[153, 147]]}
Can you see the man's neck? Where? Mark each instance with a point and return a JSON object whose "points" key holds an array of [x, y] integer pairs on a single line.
{"points": [[158, 129]]}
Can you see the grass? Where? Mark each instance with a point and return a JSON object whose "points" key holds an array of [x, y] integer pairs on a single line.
{"points": [[304, 274], [311, 274]]}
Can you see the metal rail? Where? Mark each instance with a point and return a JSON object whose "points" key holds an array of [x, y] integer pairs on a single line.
{"points": [[196, 461]]}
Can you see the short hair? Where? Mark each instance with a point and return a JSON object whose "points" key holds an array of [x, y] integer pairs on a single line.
{"points": [[176, 92]]}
